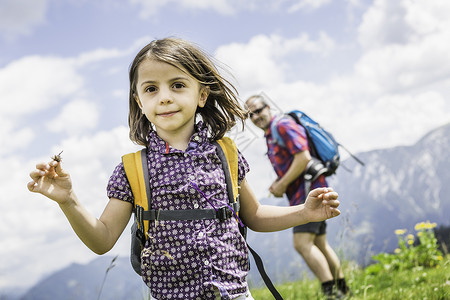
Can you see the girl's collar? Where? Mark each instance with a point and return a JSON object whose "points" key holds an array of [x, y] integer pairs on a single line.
{"points": [[200, 136]]}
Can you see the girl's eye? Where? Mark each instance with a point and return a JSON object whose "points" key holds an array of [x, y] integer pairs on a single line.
{"points": [[150, 89], [178, 85]]}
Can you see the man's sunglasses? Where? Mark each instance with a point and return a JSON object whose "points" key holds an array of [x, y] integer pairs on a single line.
{"points": [[257, 111]]}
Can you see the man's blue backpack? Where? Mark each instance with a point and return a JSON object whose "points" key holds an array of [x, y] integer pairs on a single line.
{"points": [[322, 144]]}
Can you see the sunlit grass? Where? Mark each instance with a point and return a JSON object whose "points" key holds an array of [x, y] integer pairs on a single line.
{"points": [[417, 283], [416, 270]]}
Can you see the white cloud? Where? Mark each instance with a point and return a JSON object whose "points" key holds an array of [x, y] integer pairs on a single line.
{"points": [[390, 120], [412, 58], [261, 62], [120, 94], [410, 115], [397, 68], [150, 8], [101, 54], [252, 64], [12, 138], [403, 22], [427, 18], [303, 43], [308, 5], [384, 23], [97, 55], [75, 117], [29, 86], [33, 83], [19, 17], [354, 3]]}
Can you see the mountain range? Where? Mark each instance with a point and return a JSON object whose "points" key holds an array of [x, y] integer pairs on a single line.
{"points": [[397, 188]]}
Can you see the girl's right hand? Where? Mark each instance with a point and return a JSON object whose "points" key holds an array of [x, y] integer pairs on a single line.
{"points": [[50, 180]]}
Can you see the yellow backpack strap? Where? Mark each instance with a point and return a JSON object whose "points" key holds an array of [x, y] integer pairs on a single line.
{"points": [[230, 150], [136, 169]]}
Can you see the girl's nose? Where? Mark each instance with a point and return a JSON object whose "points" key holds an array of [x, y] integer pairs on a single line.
{"points": [[165, 97], [165, 100]]}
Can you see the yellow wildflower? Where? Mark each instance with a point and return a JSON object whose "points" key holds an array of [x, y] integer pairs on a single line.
{"points": [[419, 234], [397, 251], [419, 226], [440, 258], [410, 242], [410, 237], [400, 231], [425, 225]]}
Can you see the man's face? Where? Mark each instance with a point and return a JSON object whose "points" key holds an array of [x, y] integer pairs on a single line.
{"points": [[260, 113]]}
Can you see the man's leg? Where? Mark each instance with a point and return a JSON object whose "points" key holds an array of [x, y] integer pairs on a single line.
{"points": [[314, 258], [332, 259], [333, 263]]}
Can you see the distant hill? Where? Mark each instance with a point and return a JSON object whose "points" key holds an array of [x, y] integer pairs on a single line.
{"points": [[397, 188], [84, 281]]}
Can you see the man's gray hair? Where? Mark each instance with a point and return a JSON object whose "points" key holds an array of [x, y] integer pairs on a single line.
{"points": [[257, 97]]}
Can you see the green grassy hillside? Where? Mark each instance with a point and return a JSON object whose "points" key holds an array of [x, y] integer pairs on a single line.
{"points": [[416, 270], [417, 283]]}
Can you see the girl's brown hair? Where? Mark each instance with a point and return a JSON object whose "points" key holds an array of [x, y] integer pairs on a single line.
{"points": [[222, 107]]}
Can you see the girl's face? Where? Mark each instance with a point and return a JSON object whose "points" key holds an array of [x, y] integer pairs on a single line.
{"points": [[168, 97]]}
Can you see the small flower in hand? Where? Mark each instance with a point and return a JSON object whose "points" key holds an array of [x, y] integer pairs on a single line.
{"points": [[57, 157]]}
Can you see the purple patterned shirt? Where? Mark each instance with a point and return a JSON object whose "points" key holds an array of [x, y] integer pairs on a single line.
{"points": [[189, 259]]}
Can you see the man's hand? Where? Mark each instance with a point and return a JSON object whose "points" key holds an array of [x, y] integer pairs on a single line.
{"points": [[277, 188], [322, 204]]}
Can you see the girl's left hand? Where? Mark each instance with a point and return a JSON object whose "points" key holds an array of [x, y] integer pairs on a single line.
{"points": [[322, 204]]}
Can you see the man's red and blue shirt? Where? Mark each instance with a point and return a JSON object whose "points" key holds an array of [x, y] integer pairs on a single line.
{"points": [[295, 140]]}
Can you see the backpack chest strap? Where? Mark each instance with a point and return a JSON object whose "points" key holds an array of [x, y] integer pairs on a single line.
{"points": [[222, 213]]}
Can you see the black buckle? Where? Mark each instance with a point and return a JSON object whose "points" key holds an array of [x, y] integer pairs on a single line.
{"points": [[222, 213], [141, 236]]}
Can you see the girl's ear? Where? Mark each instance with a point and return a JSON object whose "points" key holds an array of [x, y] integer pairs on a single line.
{"points": [[138, 101], [204, 93]]}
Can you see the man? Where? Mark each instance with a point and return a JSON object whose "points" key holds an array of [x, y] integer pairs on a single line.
{"points": [[289, 163]]}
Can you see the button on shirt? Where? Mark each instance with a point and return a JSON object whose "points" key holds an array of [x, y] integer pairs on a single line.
{"points": [[295, 138], [195, 258]]}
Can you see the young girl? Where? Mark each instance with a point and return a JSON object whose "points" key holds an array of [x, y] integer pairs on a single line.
{"points": [[171, 83]]}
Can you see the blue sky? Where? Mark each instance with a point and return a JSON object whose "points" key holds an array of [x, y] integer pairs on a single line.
{"points": [[375, 73]]}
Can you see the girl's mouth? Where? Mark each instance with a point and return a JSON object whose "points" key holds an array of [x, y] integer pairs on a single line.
{"points": [[167, 114]]}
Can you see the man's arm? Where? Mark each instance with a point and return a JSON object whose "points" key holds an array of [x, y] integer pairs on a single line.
{"points": [[298, 165]]}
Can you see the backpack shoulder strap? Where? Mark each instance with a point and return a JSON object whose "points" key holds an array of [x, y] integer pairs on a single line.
{"points": [[136, 169], [274, 130], [228, 150]]}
